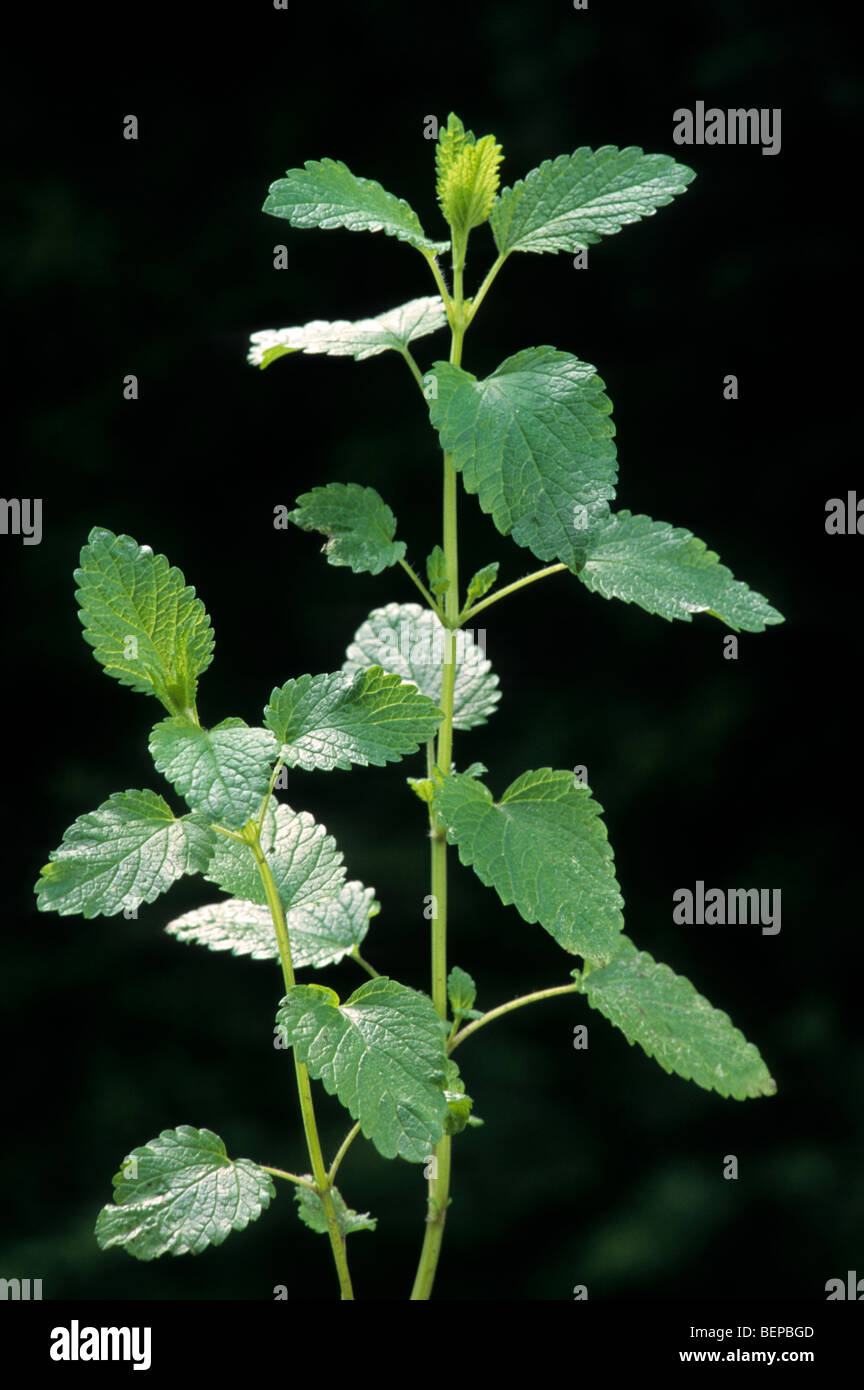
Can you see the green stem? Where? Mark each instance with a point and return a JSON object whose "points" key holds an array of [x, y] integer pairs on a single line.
{"points": [[342, 1151], [439, 1180], [304, 1089], [484, 288], [439, 1187], [370, 969], [451, 542], [439, 919], [421, 586], [289, 1177], [266, 801], [415, 370], [511, 589], [432, 262], [460, 246], [229, 834], [508, 1008]]}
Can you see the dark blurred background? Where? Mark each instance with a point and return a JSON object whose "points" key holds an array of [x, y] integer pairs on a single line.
{"points": [[153, 258]]}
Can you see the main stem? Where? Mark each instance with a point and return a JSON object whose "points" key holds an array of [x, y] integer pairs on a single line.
{"points": [[313, 1143], [439, 1180]]}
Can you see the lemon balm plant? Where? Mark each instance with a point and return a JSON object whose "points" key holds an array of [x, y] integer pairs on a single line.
{"points": [[533, 442]]}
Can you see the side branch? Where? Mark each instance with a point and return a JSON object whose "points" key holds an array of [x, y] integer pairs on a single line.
{"points": [[432, 261], [413, 575], [508, 1008], [510, 589]]}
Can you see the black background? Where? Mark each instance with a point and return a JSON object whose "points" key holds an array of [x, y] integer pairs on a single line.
{"points": [[153, 258]]}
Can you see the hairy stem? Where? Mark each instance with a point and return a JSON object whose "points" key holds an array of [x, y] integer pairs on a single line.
{"points": [[439, 1177], [511, 589], [266, 799], [435, 1218], [289, 1177], [304, 1089], [415, 370], [439, 920], [432, 261], [508, 1008], [421, 586], [342, 1151], [362, 961], [484, 288]]}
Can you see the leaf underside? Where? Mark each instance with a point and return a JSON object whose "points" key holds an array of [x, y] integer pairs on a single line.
{"points": [[125, 853], [321, 932], [306, 865], [391, 331], [410, 641]]}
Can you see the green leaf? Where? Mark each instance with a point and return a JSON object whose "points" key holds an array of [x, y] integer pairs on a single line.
{"points": [[662, 1012], [481, 583], [436, 571], [310, 1209], [667, 571], [543, 848], [535, 442], [307, 867], [321, 932], [461, 991], [468, 175], [422, 787], [357, 522], [361, 339], [411, 642], [324, 193], [126, 852], [180, 1193], [459, 1105], [459, 1112], [333, 721], [223, 772], [145, 626], [570, 202], [382, 1053]]}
